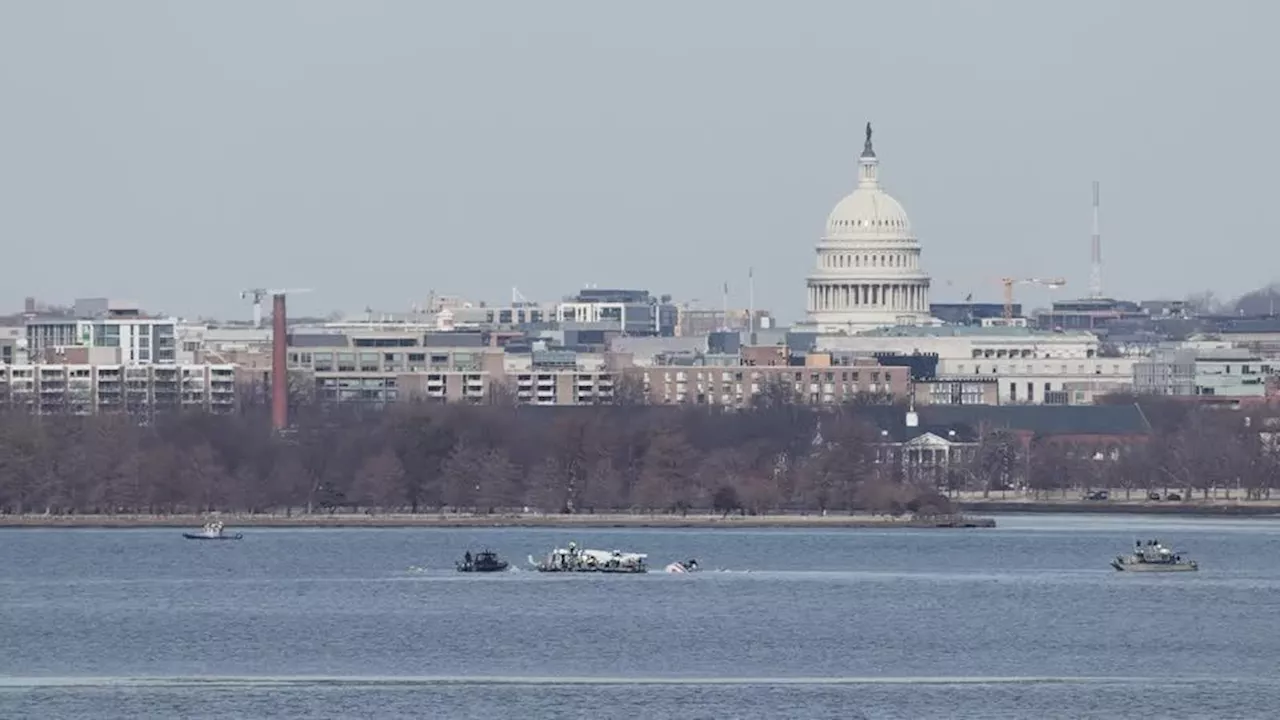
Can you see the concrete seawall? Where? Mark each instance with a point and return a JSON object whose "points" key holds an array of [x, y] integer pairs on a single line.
{"points": [[476, 521]]}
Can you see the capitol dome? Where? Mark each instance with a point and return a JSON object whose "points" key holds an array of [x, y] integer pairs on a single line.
{"points": [[868, 212], [868, 271]]}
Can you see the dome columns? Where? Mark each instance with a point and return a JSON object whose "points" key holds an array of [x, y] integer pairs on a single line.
{"points": [[873, 297]]}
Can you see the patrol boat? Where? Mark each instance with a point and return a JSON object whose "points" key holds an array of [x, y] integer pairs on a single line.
{"points": [[485, 561], [1151, 556], [575, 559]]}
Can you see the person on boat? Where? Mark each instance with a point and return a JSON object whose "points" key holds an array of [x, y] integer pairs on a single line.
{"points": [[466, 559]]}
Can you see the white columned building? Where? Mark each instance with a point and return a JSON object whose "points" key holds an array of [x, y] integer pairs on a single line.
{"points": [[868, 267]]}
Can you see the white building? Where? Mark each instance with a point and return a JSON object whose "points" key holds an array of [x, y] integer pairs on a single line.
{"points": [[102, 323], [1201, 369], [1028, 366], [868, 271]]}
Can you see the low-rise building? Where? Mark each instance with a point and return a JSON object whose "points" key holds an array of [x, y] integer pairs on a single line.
{"points": [[1198, 371], [1260, 335], [939, 443], [85, 389], [13, 344], [632, 312], [1027, 366]]}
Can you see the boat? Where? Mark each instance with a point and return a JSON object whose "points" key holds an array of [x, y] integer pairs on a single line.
{"points": [[687, 566], [575, 559], [483, 561], [212, 531], [1151, 556]]}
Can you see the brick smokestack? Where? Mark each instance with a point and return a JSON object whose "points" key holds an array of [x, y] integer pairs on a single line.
{"points": [[279, 364]]}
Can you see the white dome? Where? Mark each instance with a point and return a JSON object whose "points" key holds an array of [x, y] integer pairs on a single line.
{"points": [[868, 211]]}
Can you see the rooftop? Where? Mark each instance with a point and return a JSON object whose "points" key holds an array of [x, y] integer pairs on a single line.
{"points": [[926, 331], [1042, 420]]}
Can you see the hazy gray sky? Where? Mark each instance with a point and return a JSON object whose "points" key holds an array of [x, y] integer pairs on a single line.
{"points": [[178, 152]]}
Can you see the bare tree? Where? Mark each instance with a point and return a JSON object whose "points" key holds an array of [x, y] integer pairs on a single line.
{"points": [[378, 482], [997, 460]]}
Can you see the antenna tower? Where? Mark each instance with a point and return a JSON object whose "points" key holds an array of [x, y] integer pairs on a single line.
{"points": [[1095, 260]]}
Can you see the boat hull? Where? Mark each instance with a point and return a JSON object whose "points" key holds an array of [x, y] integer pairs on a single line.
{"points": [[484, 569], [198, 536], [1154, 567]]}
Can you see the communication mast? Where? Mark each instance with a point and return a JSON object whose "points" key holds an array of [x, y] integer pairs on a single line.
{"points": [[1095, 264]]}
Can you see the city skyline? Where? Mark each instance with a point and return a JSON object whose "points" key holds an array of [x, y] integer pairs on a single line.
{"points": [[190, 154]]}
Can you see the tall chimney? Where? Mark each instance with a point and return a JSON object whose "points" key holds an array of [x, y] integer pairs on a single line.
{"points": [[279, 364]]}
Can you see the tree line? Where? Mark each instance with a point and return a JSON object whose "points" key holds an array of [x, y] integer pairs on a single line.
{"points": [[777, 456]]}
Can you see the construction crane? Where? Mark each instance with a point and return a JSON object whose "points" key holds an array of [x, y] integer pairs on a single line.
{"points": [[1051, 283], [257, 294]]}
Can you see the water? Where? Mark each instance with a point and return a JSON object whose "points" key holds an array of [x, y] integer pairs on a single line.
{"points": [[1023, 621]]}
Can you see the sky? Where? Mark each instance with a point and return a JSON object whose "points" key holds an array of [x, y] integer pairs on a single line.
{"points": [[376, 151]]}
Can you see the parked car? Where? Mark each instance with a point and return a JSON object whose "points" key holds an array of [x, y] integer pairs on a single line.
{"points": [[1098, 495]]}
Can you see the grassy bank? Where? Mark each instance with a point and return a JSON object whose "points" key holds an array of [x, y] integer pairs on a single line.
{"points": [[476, 521]]}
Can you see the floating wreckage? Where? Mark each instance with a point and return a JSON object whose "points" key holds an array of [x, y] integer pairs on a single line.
{"points": [[212, 531], [575, 559], [687, 566]]}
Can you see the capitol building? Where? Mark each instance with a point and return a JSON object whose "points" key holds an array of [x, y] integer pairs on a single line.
{"points": [[868, 271]]}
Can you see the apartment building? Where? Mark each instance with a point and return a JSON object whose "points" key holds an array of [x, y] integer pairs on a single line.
{"points": [[383, 367], [715, 381], [86, 389]]}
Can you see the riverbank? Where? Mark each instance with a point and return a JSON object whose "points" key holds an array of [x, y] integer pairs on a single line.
{"points": [[360, 520], [1210, 508]]}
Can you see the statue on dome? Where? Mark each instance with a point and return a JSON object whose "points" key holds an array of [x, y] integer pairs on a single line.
{"points": [[866, 147]]}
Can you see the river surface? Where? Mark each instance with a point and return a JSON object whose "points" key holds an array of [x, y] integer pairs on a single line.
{"points": [[1023, 621]]}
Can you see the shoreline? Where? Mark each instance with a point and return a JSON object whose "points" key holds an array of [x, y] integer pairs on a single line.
{"points": [[435, 520], [1223, 508]]}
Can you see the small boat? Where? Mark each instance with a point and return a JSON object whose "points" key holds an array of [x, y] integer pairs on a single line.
{"points": [[575, 559], [484, 561], [1151, 556], [212, 531], [687, 566]]}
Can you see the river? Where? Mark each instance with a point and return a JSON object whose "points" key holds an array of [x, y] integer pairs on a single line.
{"points": [[1026, 620]]}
